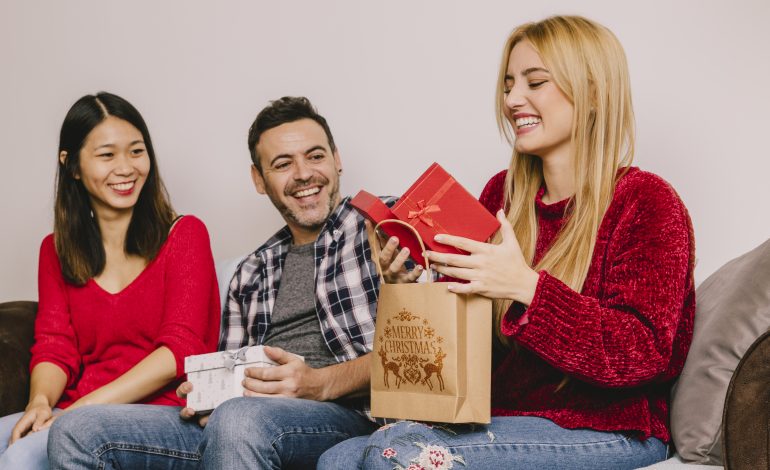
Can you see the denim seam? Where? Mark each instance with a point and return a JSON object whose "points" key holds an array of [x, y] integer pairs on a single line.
{"points": [[303, 431], [110, 446], [542, 444]]}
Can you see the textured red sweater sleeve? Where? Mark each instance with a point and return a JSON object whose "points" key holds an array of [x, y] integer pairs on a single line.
{"points": [[54, 336], [189, 277], [622, 335]]}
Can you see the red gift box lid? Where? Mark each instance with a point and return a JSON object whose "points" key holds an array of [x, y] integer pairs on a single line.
{"points": [[376, 211], [436, 203]]}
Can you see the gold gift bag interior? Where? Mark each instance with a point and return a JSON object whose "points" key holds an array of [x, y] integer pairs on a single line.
{"points": [[432, 353]]}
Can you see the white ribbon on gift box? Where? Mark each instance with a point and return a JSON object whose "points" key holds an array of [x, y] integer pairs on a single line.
{"points": [[234, 358]]}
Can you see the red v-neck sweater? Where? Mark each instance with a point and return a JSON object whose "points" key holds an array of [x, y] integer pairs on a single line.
{"points": [[624, 338], [95, 336]]}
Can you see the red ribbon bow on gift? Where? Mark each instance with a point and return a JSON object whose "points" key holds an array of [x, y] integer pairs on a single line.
{"points": [[423, 212]]}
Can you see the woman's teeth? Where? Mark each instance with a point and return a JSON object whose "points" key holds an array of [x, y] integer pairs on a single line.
{"points": [[527, 121], [123, 186]]}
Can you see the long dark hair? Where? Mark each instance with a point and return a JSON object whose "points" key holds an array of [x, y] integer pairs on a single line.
{"points": [[76, 232]]}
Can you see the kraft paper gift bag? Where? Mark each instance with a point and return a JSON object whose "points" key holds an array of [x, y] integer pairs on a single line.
{"points": [[432, 352]]}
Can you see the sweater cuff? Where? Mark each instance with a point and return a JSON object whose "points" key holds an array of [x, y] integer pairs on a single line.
{"points": [[518, 315], [39, 359], [551, 311]]}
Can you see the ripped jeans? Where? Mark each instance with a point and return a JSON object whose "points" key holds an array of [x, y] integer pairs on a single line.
{"points": [[519, 442]]}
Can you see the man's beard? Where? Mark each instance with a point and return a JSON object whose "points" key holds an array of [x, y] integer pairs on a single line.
{"points": [[310, 222]]}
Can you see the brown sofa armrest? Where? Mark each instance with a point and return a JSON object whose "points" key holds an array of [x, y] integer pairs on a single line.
{"points": [[17, 324], [747, 410]]}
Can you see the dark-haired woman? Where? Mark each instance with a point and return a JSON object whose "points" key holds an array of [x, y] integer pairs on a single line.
{"points": [[126, 288]]}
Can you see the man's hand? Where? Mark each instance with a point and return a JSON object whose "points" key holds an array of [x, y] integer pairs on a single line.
{"points": [[290, 378], [392, 260], [188, 413]]}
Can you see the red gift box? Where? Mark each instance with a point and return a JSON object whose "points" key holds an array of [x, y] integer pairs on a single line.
{"points": [[376, 211], [436, 203]]}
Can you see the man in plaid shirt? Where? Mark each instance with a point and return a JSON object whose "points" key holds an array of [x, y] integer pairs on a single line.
{"points": [[311, 290]]}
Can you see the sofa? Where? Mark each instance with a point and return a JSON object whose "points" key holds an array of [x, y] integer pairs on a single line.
{"points": [[729, 363], [16, 328]]}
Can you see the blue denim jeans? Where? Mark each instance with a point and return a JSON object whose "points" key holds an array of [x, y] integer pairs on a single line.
{"points": [[241, 433], [508, 442], [29, 452]]}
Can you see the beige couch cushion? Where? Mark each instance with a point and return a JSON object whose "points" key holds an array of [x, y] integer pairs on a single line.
{"points": [[675, 463], [733, 309]]}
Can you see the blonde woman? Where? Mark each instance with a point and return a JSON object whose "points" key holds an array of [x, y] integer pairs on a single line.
{"points": [[591, 276]]}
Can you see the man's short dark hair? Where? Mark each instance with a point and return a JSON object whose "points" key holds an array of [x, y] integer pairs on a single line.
{"points": [[282, 111]]}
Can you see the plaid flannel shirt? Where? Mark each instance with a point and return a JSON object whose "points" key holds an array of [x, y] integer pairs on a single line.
{"points": [[346, 280]]}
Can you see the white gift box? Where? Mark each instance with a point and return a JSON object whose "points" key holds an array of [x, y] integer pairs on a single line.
{"points": [[217, 377]]}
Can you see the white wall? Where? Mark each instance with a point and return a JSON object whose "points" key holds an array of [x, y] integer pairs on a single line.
{"points": [[403, 83]]}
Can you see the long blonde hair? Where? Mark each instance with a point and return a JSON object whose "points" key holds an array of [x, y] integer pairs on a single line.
{"points": [[589, 66]]}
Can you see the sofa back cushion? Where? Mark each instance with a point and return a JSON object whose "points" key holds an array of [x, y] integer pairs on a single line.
{"points": [[733, 310], [17, 324], [225, 272]]}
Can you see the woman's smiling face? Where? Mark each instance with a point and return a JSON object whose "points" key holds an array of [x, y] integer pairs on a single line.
{"points": [[539, 112], [114, 165]]}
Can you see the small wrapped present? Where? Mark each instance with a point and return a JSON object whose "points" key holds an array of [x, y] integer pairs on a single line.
{"points": [[436, 203], [217, 377]]}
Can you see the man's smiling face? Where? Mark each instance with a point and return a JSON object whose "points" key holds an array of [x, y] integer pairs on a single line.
{"points": [[300, 174]]}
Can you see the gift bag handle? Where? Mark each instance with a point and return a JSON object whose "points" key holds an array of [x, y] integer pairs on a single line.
{"points": [[375, 246]]}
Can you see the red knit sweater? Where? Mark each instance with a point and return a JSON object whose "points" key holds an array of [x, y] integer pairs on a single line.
{"points": [[95, 336], [624, 338]]}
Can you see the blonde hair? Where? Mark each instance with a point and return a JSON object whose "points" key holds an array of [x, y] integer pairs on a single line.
{"points": [[587, 63]]}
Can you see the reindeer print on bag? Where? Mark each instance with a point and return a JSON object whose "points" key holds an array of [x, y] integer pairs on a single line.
{"points": [[410, 350]]}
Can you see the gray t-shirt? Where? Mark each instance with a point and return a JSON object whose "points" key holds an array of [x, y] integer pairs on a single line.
{"points": [[294, 323]]}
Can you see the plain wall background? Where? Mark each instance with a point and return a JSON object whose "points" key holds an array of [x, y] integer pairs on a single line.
{"points": [[402, 83]]}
